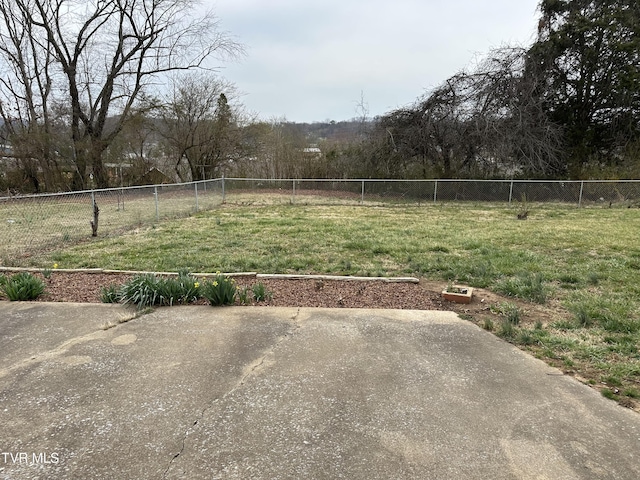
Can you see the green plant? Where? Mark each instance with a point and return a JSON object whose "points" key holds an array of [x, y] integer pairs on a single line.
{"points": [[510, 311], [142, 290], [506, 330], [260, 292], [488, 324], [526, 286], [23, 286], [243, 295], [631, 393], [182, 289], [46, 273], [220, 291], [110, 294]]}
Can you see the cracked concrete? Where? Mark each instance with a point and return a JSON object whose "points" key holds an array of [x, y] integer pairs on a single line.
{"points": [[241, 392]]}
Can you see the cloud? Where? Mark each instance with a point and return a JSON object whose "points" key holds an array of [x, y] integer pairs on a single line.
{"points": [[311, 60]]}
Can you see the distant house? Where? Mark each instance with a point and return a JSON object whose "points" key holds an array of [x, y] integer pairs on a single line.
{"points": [[155, 177], [312, 151]]}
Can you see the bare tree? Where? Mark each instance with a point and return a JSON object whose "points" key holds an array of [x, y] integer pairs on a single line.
{"points": [[486, 122], [101, 56], [199, 127], [25, 98]]}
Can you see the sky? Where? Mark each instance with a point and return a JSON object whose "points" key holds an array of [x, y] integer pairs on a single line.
{"points": [[323, 60]]}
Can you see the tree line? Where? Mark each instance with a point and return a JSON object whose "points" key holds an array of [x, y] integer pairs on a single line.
{"points": [[81, 108]]}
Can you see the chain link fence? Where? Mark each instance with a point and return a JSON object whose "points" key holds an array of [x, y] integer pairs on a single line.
{"points": [[30, 225], [570, 193]]}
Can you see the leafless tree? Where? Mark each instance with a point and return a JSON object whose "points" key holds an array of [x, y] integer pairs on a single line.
{"points": [[199, 126], [98, 58], [490, 121]]}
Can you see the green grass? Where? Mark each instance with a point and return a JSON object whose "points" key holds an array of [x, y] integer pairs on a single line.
{"points": [[585, 261]]}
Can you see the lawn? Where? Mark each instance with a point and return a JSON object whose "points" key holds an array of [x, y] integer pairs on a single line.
{"points": [[585, 262]]}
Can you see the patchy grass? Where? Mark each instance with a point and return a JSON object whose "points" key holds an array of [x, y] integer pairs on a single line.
{"points": [[584, 261]]}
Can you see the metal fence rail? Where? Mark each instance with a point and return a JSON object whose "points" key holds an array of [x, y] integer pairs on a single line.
{"points": [[578, 193], [32, 224]]}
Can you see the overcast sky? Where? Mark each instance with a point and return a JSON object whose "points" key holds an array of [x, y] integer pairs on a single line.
{"points": [[313, 60]]}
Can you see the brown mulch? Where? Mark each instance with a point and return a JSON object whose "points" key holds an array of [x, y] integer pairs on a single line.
{"points": [[86, 288]]}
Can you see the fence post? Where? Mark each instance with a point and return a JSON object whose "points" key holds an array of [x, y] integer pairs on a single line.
{"points": [[196, 186], [510, 192], [581, 190], [155, 194], [223, 191], [362, 196], [293, 199], [435, 192]]}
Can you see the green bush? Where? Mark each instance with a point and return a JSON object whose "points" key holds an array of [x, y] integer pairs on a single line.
{"points": [[220, 291], [22, 286]]}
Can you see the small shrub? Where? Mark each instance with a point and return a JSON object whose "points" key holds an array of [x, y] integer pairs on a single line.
{"points": [[220, 291], [110, 294], [22, 286], [260, 292]]}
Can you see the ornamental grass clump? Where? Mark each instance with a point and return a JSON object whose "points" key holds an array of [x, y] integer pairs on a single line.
{"points": [[22, 286], [219, 291]]}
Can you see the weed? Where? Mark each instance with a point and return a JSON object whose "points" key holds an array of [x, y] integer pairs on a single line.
{"points": [[613, 381], [220, 291], [23, 286], [631, 393], [538, 325], [613, 315], [608, 393], [526, 286], [488, 324], [506, 330], [260, 292], [510, 311], [593, 278], [46, 273], [525, 337]]}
